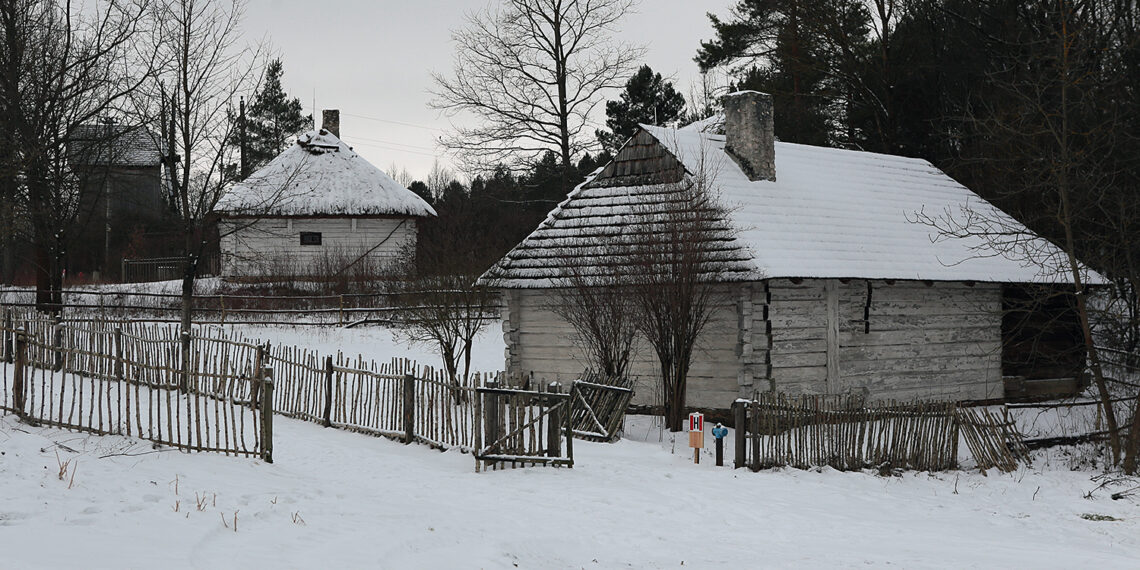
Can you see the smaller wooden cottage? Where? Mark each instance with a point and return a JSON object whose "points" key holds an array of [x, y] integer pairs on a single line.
{"points": [[834, 283], [317, 207]]}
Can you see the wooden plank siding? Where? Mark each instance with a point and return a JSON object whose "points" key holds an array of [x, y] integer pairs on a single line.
{"points": [[262, 246], [941, 341]]}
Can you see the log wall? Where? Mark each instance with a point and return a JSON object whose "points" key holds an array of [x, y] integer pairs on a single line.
{"points": [[901, 340], [818, 336], [542, 344]]}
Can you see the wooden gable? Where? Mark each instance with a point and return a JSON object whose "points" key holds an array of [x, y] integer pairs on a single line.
{"points": [[642, 161]]}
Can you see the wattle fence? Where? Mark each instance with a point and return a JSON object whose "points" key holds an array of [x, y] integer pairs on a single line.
{"points": [[129, 378], [120, 381], [847, 433]]}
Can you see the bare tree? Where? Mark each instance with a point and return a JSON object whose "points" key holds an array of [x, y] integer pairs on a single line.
{"points": [[532, 72], [597, 302], [207, 70], [1054, 137], [61, 69], [439, 305]]}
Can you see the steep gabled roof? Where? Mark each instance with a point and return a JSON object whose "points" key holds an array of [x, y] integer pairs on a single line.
{"points": [[321, 175], [108, 144], [830, 213]]}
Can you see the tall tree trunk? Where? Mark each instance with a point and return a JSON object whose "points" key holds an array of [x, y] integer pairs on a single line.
{"points": [[189, 273], [1067, 220]]}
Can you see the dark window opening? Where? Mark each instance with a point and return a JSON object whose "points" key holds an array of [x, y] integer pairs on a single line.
{"points": [[310, 238]]}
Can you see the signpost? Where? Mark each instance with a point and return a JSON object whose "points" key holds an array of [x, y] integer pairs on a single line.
{"points": [[696, 434]]}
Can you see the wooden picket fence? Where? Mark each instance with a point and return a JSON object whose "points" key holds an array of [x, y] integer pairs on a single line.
{"points": [[842, 431], [118, 380], [397, 399]]}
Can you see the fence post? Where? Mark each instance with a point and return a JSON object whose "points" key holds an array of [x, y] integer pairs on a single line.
{"points": [[409, 408], [328, 390], [18, 392], [491, 415], [266, 412], [740, 435], [119, 354], [340, 313], [554, 424], [476, 429], [57, 343], [255, 386], [7, 335], [569, 419], [222, 300]]}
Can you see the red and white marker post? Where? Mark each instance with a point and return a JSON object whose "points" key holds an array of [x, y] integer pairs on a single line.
{"points": [[696, 434]]}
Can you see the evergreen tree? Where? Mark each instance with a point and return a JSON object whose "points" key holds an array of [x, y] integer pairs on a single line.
{"points": [[776, 47], [647, 98], [272, 119]]}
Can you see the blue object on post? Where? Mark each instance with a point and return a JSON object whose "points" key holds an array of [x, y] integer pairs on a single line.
{"points": [[719, 432]]}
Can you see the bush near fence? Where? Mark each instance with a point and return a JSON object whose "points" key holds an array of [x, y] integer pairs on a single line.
{"points": [[844, 432]]}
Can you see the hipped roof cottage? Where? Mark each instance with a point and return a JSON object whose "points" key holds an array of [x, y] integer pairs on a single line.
{"points": [[317, 204]]}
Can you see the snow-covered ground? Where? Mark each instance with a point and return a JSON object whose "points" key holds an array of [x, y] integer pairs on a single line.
{"points": [[335, 499], [374, 342]]}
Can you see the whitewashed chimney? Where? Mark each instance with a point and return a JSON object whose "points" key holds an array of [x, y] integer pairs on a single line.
{"points": [[330, 121], [749, 135]]}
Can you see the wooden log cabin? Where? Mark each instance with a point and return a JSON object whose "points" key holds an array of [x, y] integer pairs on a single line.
{"points": [[835, 274]]}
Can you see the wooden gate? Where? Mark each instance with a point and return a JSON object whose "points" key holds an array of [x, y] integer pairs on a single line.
{"points": [[522, 427], [597, 410]]}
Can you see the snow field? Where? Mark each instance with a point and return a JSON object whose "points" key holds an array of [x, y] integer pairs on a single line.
{"points": [[335, 499], [361, 501]]}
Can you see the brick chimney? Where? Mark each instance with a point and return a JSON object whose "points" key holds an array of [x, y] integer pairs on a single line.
{"points": [[330, 121], [749, 136]]}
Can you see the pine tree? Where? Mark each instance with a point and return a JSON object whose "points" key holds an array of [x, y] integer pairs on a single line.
{"points": [[647, 98], [272, 119], [793, 50]]}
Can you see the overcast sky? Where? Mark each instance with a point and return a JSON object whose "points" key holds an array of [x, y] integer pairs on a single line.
{"points": [[373, 60]]}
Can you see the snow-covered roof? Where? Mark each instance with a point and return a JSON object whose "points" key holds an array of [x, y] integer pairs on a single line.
{"points": [[321, 175], [830, 213]]}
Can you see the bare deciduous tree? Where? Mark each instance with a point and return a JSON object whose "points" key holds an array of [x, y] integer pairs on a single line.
{"points": [[61, 69], [678, 256], [207, 70], [532, 72], [597, 302], [439, 304]]}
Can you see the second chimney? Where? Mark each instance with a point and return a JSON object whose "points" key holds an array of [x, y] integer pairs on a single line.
{"points": [[749, 134], [330, 121]]}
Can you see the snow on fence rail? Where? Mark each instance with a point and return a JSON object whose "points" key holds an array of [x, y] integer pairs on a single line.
{"points": [[399, 399], [843, 432]]}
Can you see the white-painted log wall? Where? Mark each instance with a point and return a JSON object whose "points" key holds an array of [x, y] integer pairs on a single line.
{"points": [[259, 247]]}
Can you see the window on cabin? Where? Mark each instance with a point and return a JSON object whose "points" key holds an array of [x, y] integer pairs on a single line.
{"points": [[310, 238]]}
